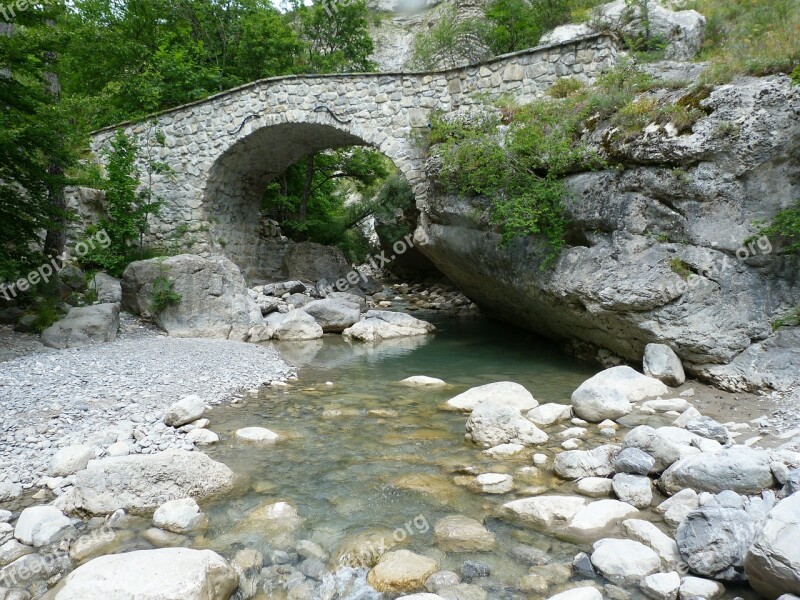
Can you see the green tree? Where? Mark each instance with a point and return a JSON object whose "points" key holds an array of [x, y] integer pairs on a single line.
{"points": [[451, 42], [336, 36], [31, 141]]}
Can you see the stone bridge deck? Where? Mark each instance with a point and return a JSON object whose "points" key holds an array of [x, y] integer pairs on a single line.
{"points": [[224, 150]]}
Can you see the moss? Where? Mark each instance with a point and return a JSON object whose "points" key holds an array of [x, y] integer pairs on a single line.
{"points": [[680, 268]]}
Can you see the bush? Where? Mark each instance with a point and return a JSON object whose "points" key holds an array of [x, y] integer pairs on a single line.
{"points": [[164, 294], [784, 230]]}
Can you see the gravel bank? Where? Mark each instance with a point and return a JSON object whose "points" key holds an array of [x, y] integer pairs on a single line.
{"points": [[102, 394]]}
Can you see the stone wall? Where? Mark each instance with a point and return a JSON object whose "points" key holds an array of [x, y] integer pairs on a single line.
{"points": [[223, 151]]}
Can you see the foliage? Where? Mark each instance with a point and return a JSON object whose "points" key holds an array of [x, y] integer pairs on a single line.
{"points": [[31, 141], [680, 268], [796, 75], [129, 205], [337, 39], [450, 42], [163, 294], [790, 319], [564, 86], [519, 24], [784, 230], [749, 37]]}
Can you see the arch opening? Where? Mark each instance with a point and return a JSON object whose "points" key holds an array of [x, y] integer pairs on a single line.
{"points": [[251, 170]]}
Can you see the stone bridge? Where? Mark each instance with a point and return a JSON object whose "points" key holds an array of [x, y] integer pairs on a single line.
{"points": [[223, 151]]}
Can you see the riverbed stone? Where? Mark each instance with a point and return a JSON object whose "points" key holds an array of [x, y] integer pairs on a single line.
{"points": [[491, 424], [68, 461], [676, 508], [624, 561], [595, 487], [772, 563], [662, 586], [636, 490], [458, 533], [161, 574], [185, 411], [576, 464], [634, 462], [257, 435], [709, 428], [544, 511], [401, 571], [604, 395], [505, 393], [579, 593], [598, 519], [548, 414], [139, 484], [423, 381], [650, 535], [39, 526], [294, 326], [738, 468], [697, 588], [442, 579], [378, 325], [652, 442], [82, 326], [493, 483], [180, 516], [661, 362], [202, 437], [334, 316]]}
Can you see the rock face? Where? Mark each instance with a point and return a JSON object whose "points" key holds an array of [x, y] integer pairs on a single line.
{"points": [[739, 468], [660, 362], [614, 289], [308, 261], [165, 574], [503, 392], [773, 562], [107, 288], [492, 424], [214, 301], [140, 484], [83, 326], [682, 31], [383, 325]]}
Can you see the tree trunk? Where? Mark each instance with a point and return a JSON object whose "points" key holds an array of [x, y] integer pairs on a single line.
{"points": [[307, 187], [56, 238]]}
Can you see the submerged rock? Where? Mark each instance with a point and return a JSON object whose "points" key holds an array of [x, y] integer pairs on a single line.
{"points": [[401, 571], [458, 533], [379, 325]]}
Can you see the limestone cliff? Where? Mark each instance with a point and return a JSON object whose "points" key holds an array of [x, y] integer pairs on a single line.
{"points": [[680, 206]]}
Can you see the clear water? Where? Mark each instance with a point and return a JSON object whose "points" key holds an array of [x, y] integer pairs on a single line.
{"points": [[350, 467]]}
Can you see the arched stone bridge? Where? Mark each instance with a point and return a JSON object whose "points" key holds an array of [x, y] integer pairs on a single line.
{"points": [[224, 150]]}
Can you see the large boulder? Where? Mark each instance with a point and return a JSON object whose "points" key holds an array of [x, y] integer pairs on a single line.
{"points": [[661, 362], [334, 316], [739, 468], [163, 574], [42, 525], [383, 325], [609, 394], [308, 261], [491, 424], [577, 464], [293, 326], [108, 289], [772, 564], [714, 539], [503, 392], [140, 484], [214, 300], [83, 326]]}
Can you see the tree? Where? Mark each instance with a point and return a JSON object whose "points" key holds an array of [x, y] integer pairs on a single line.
{"points": [[31, 142], [337, 40], [451, 42]]}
